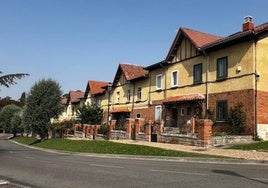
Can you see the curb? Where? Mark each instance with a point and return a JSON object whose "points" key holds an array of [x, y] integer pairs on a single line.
{"points": [[154, 158]]}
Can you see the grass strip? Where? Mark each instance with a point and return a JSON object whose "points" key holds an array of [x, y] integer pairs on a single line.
{"points": [[259, 146], [106, 147]]}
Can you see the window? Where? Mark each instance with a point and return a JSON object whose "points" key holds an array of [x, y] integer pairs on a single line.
{"points": [[222, 110], [158, 113], [182, 111], [189, 111], [117, 97], [138, 115], [198, 73], [174, 78], [99, 102], [222, 68], [128, 95], [158, 82], [139, 94]]}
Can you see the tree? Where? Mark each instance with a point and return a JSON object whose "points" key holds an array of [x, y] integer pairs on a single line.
{"points": [[23, 99], [10, 79], [16, 123], [90, 114], [42, 104], [237, 118], [6, 115]]}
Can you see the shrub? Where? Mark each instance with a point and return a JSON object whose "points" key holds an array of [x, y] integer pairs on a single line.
{"points": [[103, 129], [237, 118]]}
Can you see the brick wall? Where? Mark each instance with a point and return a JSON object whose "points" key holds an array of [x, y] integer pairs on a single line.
{"points": [[146, 113], [244, 96], [262, 107]]}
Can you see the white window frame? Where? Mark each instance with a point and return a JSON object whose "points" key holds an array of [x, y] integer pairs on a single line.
{"points": [[139, 94], [158, 82], [182, 112], [158, 112], [173, 80]]}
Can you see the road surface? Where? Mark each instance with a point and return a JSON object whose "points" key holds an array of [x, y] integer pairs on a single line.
{"points": [[29, 167]]}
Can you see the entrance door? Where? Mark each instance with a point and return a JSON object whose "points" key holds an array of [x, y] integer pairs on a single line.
{"points": [[174, 117]]}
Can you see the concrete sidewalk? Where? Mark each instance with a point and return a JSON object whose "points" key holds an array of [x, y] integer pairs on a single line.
{"points": [[239, 154]]}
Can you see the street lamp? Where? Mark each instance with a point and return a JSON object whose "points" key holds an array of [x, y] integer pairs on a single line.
{"points": [[109, 88]]}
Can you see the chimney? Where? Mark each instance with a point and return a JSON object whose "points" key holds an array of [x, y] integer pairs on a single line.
{"points": [[248, 23]]}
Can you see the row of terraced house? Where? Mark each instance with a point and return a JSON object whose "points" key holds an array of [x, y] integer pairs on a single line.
{"points": [[202, 76]]}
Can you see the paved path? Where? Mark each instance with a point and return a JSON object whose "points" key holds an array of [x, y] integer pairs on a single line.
{"points": [[241, 154]]}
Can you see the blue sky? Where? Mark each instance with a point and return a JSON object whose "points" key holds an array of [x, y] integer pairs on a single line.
{"points": [[73, 41]]}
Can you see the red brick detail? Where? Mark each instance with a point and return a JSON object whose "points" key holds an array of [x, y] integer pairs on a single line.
{"points": [[205, 129], [247, 97], [139, 123], [146, 113], [248, 26], [129, 124], [262, 107]]}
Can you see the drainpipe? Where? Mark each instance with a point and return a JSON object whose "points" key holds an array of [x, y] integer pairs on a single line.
{"points": [[256, 91], [207, 77], [165, 93], [165, 89], [133, 100]]}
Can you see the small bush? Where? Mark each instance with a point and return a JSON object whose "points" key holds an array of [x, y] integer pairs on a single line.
{"points": [[237, 118], [103, 129]]}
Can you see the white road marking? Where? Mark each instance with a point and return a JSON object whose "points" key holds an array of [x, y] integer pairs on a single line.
{"points": [[106, 166], [261, 179], [177, 172], [3, 182]]}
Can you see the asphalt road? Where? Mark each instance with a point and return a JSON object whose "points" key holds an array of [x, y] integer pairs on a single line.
{"points": [[34, 168]]}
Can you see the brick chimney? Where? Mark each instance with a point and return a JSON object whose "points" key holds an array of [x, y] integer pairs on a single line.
{"points": [[248, 23]]}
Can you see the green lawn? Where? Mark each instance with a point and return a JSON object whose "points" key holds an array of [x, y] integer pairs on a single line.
{"points": [[106, 147], [259, 146]]}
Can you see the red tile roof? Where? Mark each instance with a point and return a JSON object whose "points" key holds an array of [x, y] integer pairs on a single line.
{"points": [[238, 36], [63, 101], [96, 87], [75, 96], [198, 38], [183, 98], [205, 41], [131, 72]]}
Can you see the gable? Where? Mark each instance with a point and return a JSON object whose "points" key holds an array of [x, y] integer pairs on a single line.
{"points": [[188, 43], [127, 73], [185, 50]]}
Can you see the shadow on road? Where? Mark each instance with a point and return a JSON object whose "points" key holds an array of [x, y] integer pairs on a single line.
{"points": [[231, 173]]}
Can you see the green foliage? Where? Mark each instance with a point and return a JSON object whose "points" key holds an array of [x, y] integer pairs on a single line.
{"points": [[10, 79], [103, 129], [43, 103], [259, 146], [6, 115], [237, 118], [106, 147], [16, 123], [63, 125], [23, 99], [90, 114]]}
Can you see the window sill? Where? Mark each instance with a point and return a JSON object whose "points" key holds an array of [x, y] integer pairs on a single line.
{"points": [[159, 89], [174, 87], [198, 83], [221, 79]]}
